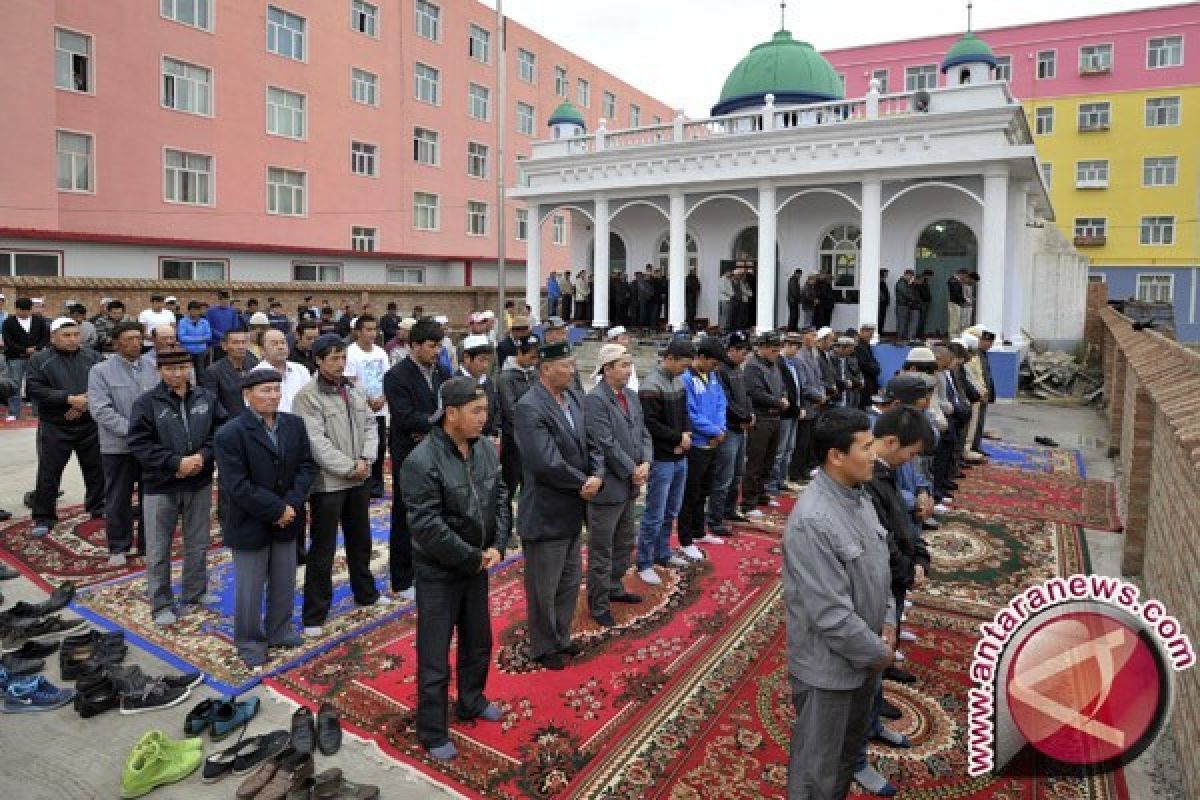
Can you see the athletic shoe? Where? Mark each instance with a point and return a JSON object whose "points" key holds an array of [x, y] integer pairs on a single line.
{"points": [[15, 666], [40, 531], [907, 636], [155, 697], [34, 693], [165, 617], [59, 599], [649, 576], [754, 513], [676, 562], [97, 698], [710, 538], [692, 553], [52, 627], [7, 573], [409, 595], [117, 560], [152, 766], [314, 630], [444, 752], [942, 508], [230, 716]]}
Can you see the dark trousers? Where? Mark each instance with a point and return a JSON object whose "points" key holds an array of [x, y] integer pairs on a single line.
{"points": [[376, 482], [646, 317], [793, 315], [400, 563], [943, 459], [701, 461], [883, 307], [55, 444], [553, 570], [445, 605], [826, 738], [689, 313], [761, 445], [121, 473], [802, 457], [510, 466], [351, 509], [565, 303]]}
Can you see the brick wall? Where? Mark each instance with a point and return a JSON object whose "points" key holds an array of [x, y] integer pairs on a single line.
{"points": [[1153, 387], [1093, 327]]}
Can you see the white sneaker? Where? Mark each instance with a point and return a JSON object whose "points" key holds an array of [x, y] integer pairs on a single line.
{"points": [[409, 595], [10, 418], [908, 603], [709, 538], [754, 513], [947, 501], [676, 561], [649, 576], [313, 631], [907, 636], [773, 503], [387, 600], [941, 508], [812, 473], [904, 617], [693, 552], [900, 657], [117, 560]]}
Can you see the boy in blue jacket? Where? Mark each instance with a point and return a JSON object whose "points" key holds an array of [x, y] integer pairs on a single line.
{"points": [[706, 406]]}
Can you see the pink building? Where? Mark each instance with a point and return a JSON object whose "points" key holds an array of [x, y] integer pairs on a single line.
{"points": [[328, 140]]}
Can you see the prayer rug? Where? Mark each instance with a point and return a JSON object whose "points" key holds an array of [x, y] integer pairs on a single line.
{"points": [[1034, 458], [1060, 498]]}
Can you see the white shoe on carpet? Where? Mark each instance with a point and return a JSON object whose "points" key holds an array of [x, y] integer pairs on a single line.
{"points": [[908, 603], [117, 560], [692, 552], [409, 595], [313, 631], [942, 508], [676, 561], [900, 657], [754, 513], [907, 636], [649, 576], [710, 538]]}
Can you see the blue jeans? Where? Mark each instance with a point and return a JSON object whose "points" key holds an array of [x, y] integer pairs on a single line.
{"points": [[725, 467], [16, 371], [664, 496], [783, 459]]}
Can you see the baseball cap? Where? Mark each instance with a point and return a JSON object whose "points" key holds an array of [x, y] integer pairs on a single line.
{"points": [[455, 393], [608, 354], [259, 318], [612, 332], [261, 375], [477, 343], [769, 339], [680, 348], [907, 387]]}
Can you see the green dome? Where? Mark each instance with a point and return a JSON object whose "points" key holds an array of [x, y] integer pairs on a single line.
{"points": [[792, 71], [567, 114], [970, 49]]}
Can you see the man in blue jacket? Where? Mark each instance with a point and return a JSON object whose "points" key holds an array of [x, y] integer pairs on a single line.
{"points": [[706, 406], [195, 334], [223, 317], [265, 469]]}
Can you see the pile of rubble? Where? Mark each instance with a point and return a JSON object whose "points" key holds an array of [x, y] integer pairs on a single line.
{"points": [[1055, 374]]}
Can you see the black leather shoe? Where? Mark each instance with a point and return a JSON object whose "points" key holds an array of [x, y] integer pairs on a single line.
{"points": [[98, 698], [606, 619], [952, 486], [304, 731], [890, 711], [551, 661], [91, 637], [32, 649], [329, 730], [625, 597], [7, 573], [573, 649], [5, 516], [899, 675], [15, 666], [737, 516]]}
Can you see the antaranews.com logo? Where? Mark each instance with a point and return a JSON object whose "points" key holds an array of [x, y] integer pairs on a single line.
{"points": [[1079, 668]]}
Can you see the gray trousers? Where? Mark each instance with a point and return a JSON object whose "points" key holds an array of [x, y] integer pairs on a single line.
{"points": [[826, 739], [272, 570], [162, 512], [553, 570], [611, 536]]}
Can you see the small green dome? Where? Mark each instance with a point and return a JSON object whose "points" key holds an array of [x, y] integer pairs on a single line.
{"points": [[567, 114], [791, 70], [970, 49]]}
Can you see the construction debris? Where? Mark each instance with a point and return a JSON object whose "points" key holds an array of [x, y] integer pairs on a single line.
{"points": [[1058, 374]]}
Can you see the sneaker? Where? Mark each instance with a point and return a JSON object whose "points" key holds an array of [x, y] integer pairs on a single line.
{"points": [[941, 508], [900, 657], [165, 617], [155, 697], [648, 575], [692, 552], [152, 766], [677, 562], [117, 560], [24, 695], [230, 716], [161, 739], [97, 698], [40, 531], [754, 513], [313, 631], [773, 503], [719, 530], [15, 666], [407, 596], [207, 599], [10, 418], [907, 636], [710, 538], [908, 603], [493, 713]]}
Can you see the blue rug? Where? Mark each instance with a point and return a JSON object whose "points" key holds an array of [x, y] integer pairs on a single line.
{"points": [[1035, 458]]}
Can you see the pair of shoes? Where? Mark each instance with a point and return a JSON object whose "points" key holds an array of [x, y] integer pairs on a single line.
{"points": [[605, 618], [34, 693], [277, 777], [18, 631], [649, 576], [624, 597], [220, 717], [151, 765], [244, 756], [16, 666], [332, 783], [898, 675], [551, 661], [7, 573], [323, 733], [711, 538], [692, 553], [59, 599]]}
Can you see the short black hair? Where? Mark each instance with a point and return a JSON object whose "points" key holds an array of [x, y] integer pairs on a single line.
{"points": [[113, 305], [425, 330], [253, 301], [225, 336], [907, 424], [306, 324], [392, 306], [194, 304], [362, 320], [125, 327], [835, 430], [77, 308], [156, 297], [927, 367], [24, 304]]}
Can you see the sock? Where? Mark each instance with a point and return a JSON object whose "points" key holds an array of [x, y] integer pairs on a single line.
{"points": [[873, 782], [891, 737]]}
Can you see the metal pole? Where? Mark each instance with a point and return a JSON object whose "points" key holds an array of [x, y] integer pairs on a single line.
{"points": [[501, 116]]}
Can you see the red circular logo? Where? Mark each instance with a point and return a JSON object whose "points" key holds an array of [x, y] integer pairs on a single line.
{"points": [[1085, 688]]}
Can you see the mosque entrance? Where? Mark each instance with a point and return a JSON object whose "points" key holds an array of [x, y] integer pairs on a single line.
{"points": [[945, 247]]}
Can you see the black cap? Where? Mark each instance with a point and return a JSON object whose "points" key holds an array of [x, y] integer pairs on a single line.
{"points": [[553, 352], [256, 376], [680, 348], [739, 339], [326, 342], [456, 392], [527, 343], [907, 387], [710, 347], [769, 339], [172, 356]]}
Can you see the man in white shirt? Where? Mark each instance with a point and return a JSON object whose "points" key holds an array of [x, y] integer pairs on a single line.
{"points": [[295, 376], [154, 316], [366, 364]]}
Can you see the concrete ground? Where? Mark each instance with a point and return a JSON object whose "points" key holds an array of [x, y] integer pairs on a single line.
{"points": [[57, 755]]}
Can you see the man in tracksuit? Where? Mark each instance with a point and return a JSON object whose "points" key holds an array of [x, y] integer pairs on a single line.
{"points": [[171, 432], [706, 405]]}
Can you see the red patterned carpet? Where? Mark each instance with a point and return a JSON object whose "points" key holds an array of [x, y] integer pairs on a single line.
{"points": [[1034, 495]]}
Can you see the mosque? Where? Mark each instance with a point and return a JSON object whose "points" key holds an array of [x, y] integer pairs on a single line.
{"points": [[789, 173]]}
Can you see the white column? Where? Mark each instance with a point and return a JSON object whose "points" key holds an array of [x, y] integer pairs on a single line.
{"points": [[533, 262], [767, 268], [991, 295], [677, 261], [871, 251], [1018, 272], [600, 273]]}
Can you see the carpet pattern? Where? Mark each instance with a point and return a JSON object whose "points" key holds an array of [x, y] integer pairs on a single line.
{"points": [[1054, 497]]}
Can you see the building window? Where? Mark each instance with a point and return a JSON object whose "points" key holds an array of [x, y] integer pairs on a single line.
{"points": [[1160, 171], [362, 159], [187, 177], [525, 119], [41, 265], [635, 116], [72, 61], [881, 75], [186, 87], [428, 84], [1095, 59], [1047, 64], [477, 218], [1091, 228], [1047, 174], [193, 269], [560, 81], [405, 274], [477, 160], [317, 273], [429, 20], [364, 17], [1091, 174], [691, 253], [285, 33], [526, 66], [285, 113], [1094, 116], [478, 101], [1044, 120], [1158, 230], [196, 13], [362, 239], [609, 107], [425, 211], [1164, 51], [839, 255], [657, 119], [522, 226], [1003, 68], [479, 44], [1156, 288], [583, 93], [559, 229], [74, 162], [285, 191], [1162, 112], [923, 77], [425, 146], [364, 87], [1099, 278]]}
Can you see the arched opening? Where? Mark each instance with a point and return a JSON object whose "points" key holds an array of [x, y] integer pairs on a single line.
{"points": [[616, 254], [691, 253], [745, 248], [964, 76], [943, 248], [838, 256]]}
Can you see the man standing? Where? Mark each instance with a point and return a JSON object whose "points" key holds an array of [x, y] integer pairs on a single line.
{"points": [[725, 301], [295, 376], [764, 385], [645, 300], [552, 294], [458, 535], [560, 478], [113, 386], [302, 349], [266, 469], [840, 610], [812, 396], [515, 378], [795, 285], [583, 295], [617, 437], [25, 333], [411, 388], [664, 403], [476, 363], [114, 314], [826, 300], [907, 303], [223, 318], [731, 454], [58, 384], [691, 296], [171, 432], [924, 286], [706, 408], [982, 371], [87, 331], [224, 378], [195, 333], [868, 365], [956, 299], [366, 364], [885, 298], [154, 316], [342, 436], [389, 323], [518, 332], [789, 418]]}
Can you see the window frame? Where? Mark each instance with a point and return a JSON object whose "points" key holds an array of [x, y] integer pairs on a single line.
{"points": [[1156, 276], [1149, 49], [1047, 174], [609, 112], [374, 17], [303, 33], [320, 267], [886, 81], [1178, 105], [91, 60], [212, 176], [389, 268], [635, 115], [358, 234], [479, 39], [193, 260], [920, 71], [531, 63], [91, 156], [1167, 230], [435, 145], [1093, 167], [475, 157], [212, 15], [532, 117], [1105, 69], [558, 230], [562, 82], [473, 97], [1090, 228], [1174, 167], [1106, 105], [436, 211], [436, 82], [303, 112], [423, 20], [474, 213], [212, 92], [371, 158], [521, 224], [303, 188], [1047, 58], [1037, 120], [1008, 64], [373, 84], [583, 91], [13, 252]]}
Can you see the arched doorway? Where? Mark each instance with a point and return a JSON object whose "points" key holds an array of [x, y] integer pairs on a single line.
{"points": [[663, 255], [838, 258], [616, 254], [944, 247]]}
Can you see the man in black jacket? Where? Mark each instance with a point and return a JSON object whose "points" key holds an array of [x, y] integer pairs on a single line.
{"points": [[224, 377], [868, 364], [24, 333], [461, 520], [58, 383], [516, 376], [731, 455], [691, 296], [795, 285], [411, 388], [956, 299], [924, 289], [885, 298], [764, 385], [171, 429]]}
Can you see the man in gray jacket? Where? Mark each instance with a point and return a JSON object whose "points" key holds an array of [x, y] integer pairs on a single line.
{"points": [[113, 386], [840, 608], [344, 439], [617, 437]]}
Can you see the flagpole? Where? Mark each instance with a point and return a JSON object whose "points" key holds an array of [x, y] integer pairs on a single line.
{"points": [[501, 117]]}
